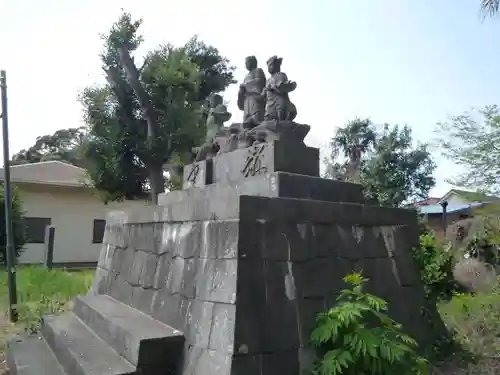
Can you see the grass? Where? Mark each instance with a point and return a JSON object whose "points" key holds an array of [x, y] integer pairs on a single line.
{"points": [[40, 292], [474, 321]]}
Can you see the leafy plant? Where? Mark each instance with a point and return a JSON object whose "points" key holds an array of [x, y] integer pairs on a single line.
{"points": [[18, 225], [357, 337], [436, 268]]}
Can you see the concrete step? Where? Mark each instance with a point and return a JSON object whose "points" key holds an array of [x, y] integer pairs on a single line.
{"points": [[152, 346], [79, 350], [30, 355]]}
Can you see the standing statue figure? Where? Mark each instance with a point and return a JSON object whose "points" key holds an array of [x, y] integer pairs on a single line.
{"points": [[250, 99], [217, 115], [278, 104]]}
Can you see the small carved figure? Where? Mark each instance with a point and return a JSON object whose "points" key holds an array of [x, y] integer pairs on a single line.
{"points": [[250, 99], [217, 115], [278, 104]]}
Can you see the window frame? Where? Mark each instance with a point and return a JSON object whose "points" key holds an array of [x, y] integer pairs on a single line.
{"points": [[39, 220], [96, 231]]}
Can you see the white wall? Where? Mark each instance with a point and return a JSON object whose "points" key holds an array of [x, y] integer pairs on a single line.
{"points": [[72, 211], [456, 200]]}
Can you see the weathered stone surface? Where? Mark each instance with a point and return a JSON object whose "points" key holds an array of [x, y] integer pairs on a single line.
{"points": [[276, 185], [197, 174], [266, 158], [240, 270]]}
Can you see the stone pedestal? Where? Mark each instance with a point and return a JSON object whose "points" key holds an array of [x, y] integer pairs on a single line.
{"points": [[260, 159], [227, 279]]}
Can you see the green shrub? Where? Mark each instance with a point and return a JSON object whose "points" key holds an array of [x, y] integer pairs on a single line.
{"points": [[436, 268], [17, 223], [357, 337], [478, 236], [474, 320]]}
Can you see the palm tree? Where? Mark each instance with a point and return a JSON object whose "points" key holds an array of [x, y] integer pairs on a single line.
{"points": [[490, 7], [351, 142]]}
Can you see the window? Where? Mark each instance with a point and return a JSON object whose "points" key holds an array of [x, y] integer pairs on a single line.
{"points": [[35, 228], [98, 231]]}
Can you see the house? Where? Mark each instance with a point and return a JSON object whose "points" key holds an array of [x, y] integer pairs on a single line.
{"points": [[54, 193], [460, 204]]}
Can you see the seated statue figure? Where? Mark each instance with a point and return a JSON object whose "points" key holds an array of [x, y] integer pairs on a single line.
{"points": [[279, 108]]}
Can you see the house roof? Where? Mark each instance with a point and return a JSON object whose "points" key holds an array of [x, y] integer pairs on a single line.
{"points": [[427, 201], [51, 172], [470, 196], [434, 209]]}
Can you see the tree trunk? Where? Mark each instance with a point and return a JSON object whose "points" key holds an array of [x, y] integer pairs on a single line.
{"points": [[155, 172]]}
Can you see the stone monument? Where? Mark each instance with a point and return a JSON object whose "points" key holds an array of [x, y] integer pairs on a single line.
{"points": [[226, 276], [250, 98]]}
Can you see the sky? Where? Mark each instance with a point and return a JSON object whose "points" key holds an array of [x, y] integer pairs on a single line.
{"points": [[395, 61]]}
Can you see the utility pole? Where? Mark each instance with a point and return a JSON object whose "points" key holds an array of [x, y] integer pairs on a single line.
{"points": [[10, 249], [444, 205]]}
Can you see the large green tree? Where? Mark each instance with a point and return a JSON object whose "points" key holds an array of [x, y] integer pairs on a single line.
{"points": [[384, 160], [63, 145], [472, 141], [165, 99]]}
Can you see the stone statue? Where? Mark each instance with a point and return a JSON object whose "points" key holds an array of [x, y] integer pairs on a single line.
{"points": [[278, 104], [250, 99], [217, 115]]}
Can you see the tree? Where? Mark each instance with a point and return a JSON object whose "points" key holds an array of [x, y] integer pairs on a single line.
{"points": [[164, 96], [17, 224], [350, 142], [395, 172], [64, 145], [471, 140], [392, 171], [490, 7]]}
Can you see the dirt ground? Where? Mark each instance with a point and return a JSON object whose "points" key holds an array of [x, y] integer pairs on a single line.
{"points": [[7, 331]]}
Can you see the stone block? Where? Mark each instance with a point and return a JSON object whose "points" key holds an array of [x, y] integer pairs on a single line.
{"points": [[147, 278], [188, 240], [100, 284], [223, 288], [166, 309], [382, 276], [320, 277], [222, 331], [197, 174], [204, 278], [120, 289], [275, 184], [188, 278], [308, 310], [284, 362], [266, 158], [212, 362], [169, 236], [175, 275], [286, 241], [199, 324], [246, 364], [162, 270], [142, 299], [138, 268], [309, 211]]}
